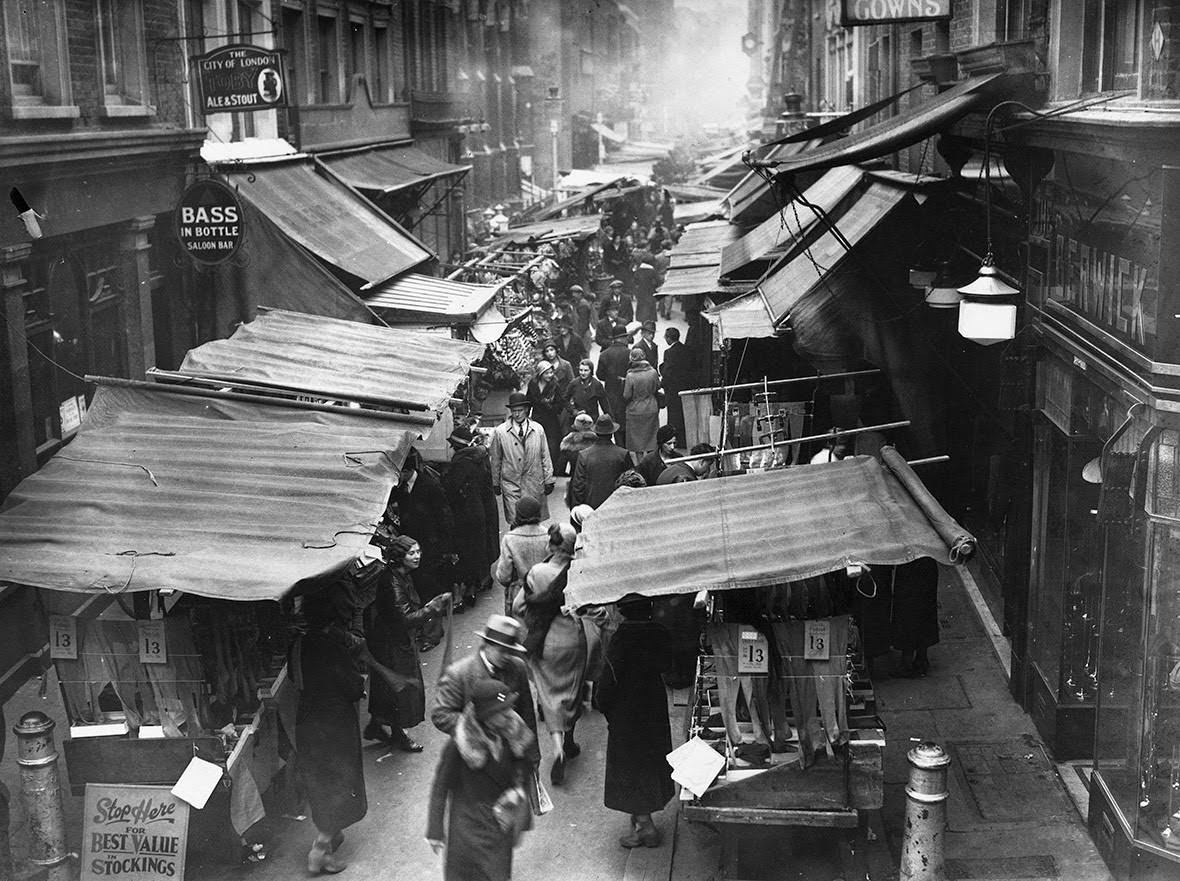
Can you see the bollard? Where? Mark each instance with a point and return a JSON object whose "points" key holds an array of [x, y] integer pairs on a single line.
{"points": [[40, 786], [922, 857]]}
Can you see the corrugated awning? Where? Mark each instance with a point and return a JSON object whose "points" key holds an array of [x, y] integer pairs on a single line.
{"points": [[702, 243], [413, 296], [791, 225], [751, 198], [908, 127], [338, 360], [582, 196], [760, 529], [388, 169], [224, 499], [330, 221], [743, 318], [801, 272], [696, 212]]}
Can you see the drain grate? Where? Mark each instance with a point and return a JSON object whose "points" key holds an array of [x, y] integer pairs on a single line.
{"points": [[1037, 866]]}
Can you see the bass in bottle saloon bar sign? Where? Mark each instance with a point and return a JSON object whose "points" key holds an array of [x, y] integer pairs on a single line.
{"points": [[866, 12], [240, 78], [209, 222]]}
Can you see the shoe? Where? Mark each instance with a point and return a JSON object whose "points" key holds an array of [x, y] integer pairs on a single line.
{"points": [[649, 835], [572, 750], [459, 607], [375, 731], [469, 599], [557, 772], [426, 645], [631, 839], [334, 844], [407, 744], [319, 860]]}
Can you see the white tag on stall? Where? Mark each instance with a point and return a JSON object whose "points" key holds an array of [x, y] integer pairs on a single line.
{"points": [[753, 652], [817, 639]]}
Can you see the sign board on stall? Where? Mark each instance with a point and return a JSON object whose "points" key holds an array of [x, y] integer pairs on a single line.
{"points": [[63, 637], [238, 78], [133, 833], [753, 652], [867, 12], [153, 646], [817, 640], [209, 222]]}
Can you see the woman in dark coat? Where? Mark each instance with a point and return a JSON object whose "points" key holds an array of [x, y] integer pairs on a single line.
{"points": [[485, 764], [631, 695], [914, 626], [547, 395], [464, 486], [327, 735], [393, 623]]}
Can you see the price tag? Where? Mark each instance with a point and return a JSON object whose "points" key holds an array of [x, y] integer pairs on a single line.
{"points": [[63, 637], [153, 648], [753, 652], [817, 640]]}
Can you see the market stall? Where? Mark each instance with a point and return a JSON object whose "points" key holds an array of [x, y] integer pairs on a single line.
{"points": [[769, 554]]}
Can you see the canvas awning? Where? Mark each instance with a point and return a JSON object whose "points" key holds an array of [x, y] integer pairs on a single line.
{"points": [[607, 133], [743, 318], [389, 169], [751, 199], [909, 127], [578, 227], [330, 221], [340, 360], [585, 194], [761, 529], [791, 225], [163, 488], [802, 272], [414, 297]]}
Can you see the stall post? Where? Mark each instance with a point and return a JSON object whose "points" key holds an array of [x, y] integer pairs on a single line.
{"points": [[36, 753], [925, 815]]}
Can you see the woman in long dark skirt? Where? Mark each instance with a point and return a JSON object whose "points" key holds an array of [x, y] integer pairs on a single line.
{"points": [[327, 734], [915, 615], [467, 482], [631, 695], [482, 774]]}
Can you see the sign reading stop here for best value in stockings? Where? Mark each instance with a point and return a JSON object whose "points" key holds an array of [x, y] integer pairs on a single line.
{"points": [[133, 833], [866, 12]]}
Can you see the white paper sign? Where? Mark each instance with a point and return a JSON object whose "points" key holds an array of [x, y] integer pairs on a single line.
{"points": [[70, 417], [695, 765], [153, 648], [197, 782], [817, 639], [63, 637], [753, 652]]}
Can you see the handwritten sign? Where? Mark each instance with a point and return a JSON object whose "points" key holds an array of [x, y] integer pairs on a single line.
{"points": [[817, 640], [63, 637], [134, 833], [753, 652]]}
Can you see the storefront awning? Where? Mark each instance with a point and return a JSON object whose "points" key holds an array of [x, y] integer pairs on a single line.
{"points": [[696, 258], [908, 127], [220, 498], [760, 529], [803, 271], [415, 297], [578, 227], [389, 169], [743, 318], [337, 360], [791, 225], [330, 221], [751, 198]]}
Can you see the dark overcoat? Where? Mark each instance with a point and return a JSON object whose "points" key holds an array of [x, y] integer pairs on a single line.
{"points": [[394, 619], [468, 482], [597, 469], [630, 693]]}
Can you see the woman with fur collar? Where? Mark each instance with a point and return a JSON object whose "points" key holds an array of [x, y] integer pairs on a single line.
{"points": [[482, 773]]}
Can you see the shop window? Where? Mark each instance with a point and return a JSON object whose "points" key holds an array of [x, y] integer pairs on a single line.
{"points": [[1013, 24], [36, 79], [381, 77], [122, 59], [328, 86], [1110, 48], [357, 61]]}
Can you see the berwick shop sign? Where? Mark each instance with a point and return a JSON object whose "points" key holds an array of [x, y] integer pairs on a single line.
{"points": [[240, 78], [209, 221], [865, 12]]}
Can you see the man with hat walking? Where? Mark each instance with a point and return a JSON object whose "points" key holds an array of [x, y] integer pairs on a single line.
{"points": [[613, 362], [616, 293], [599, 466], [520, 459], [569, 345], [499, 657]]}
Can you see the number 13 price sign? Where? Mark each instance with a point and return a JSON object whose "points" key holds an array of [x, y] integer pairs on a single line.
{"points": [[753, 653]]}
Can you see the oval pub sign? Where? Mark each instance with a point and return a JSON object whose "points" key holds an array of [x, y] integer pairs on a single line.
{"points": [[209, 221]]}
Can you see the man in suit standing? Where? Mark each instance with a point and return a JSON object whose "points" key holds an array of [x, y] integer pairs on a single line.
{"points": [[676, 374], [647, 342], [599, 466]]}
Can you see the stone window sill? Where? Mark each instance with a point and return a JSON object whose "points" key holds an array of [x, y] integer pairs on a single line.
{"points": [[43, 111], [125, 111]]}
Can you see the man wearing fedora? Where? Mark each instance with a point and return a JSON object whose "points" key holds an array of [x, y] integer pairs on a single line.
{"points": [[599, 466], [500, 657], [613, 362], [520, 459]]}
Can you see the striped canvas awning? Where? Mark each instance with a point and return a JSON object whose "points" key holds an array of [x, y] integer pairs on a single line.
{"points": [[414, 296]]}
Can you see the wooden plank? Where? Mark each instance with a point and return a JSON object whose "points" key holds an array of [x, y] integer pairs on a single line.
{"points": [[767, 817]]}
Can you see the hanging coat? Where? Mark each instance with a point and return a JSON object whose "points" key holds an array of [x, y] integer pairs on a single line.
{"points": [[464, 484], [521, 466], [643, 409], [630, 693]]}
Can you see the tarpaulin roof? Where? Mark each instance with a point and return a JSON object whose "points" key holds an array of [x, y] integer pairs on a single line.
{"points": [[388, 169], [419, 295], [743, 318], [225, 499], [754, 189], [700, 280], [803, 271], [760, 529], [792, 223], [338, 359], [702, 243], [576, 199], [330, 221], [908, 127]]}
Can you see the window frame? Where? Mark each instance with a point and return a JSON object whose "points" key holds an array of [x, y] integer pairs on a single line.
{"points": [[55, 99], [328, 68], [130, 94]]}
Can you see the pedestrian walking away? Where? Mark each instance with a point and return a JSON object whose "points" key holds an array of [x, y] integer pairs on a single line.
{"points": [[640, 396], [520, 459], [521, 548], [481, 778], [599, 466], [612, 370], [675, 376]]}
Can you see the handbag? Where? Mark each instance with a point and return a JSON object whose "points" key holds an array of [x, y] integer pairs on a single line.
{"points": [[514, 813]]}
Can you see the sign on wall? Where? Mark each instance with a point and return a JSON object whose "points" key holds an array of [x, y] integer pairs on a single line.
{"points": [[240, 78], [134, 833], [209, 221], [866, 12]]}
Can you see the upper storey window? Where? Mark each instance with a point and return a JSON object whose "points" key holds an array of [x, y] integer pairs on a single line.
{"points": [[121, 55], [36, 81]]}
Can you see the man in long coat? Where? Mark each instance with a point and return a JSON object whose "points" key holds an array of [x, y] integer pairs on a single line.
{"points": [[520, 459], [676, 374], [599, 466], [612, 370]]}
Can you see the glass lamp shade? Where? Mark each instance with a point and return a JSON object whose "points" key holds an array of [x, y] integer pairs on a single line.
{"points": [[988, 283], [943, 298], [922, 277], [987, 323]]}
